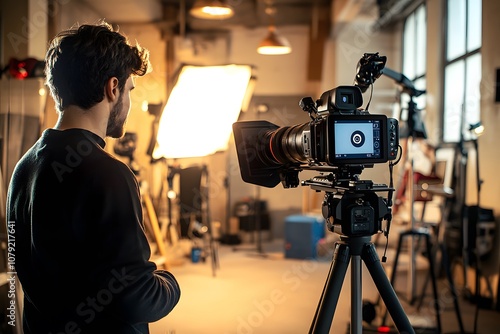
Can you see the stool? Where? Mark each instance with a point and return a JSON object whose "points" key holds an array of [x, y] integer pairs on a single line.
{"points": [[420, 233], [446, 264]]}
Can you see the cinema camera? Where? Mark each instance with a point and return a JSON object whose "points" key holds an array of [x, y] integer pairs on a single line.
{"points": [[340, 141]]}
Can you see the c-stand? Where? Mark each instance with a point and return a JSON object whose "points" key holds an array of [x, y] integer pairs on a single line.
{"points": [[353, 210]]}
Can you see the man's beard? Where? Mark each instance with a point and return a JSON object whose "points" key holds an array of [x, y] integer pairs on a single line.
{"points": [[116, 121]]}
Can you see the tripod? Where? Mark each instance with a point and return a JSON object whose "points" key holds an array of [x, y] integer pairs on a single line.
{"points": [[353, 210], [356, 249]]}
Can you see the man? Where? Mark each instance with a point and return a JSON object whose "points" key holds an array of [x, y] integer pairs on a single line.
{"points": [[81, 254]]}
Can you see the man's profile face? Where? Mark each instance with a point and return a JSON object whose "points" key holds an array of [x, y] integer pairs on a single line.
{"points": [[120, 111]]}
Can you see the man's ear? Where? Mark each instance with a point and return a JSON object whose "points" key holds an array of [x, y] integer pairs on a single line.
{"points": [[111, 89]]}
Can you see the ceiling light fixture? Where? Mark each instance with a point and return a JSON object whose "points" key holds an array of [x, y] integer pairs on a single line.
{"points": [[211, 10], [274, 43]]}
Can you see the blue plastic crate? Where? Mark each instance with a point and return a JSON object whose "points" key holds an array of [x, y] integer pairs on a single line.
{"points": [[302, 234]]}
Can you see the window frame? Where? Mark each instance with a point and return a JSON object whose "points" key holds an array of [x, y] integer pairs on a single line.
{"points": [[417, 45], [463, 135]]}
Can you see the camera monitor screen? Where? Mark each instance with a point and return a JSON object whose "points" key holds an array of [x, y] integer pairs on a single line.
{"points": [[357, 139]]}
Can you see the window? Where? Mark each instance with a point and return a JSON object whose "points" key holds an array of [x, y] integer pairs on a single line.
{"points": [[414, 55], [462, 73], [414, 44]]}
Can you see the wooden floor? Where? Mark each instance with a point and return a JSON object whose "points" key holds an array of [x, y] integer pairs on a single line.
{"points": [[264, 292]]}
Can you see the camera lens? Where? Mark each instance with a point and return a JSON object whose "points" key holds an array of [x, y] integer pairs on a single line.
{"points": [[286, 144]]}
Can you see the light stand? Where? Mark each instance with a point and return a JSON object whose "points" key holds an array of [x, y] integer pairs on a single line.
{"points": [[190, 208], [476, 130], [415, 129], [213, 246], [172, 230], [462, 186], [126, 147], [261, 108], [470, 252], [255, 210], [258, 222]]}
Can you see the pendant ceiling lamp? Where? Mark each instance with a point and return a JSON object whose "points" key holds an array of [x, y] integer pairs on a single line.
{"points": [[211, 10], [274, 43]]}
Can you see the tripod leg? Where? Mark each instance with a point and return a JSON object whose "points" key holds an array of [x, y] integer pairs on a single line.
{"points": [[395, 267], [424, 290], [447, 268], [356, 295], [372, 262], [433, 281], [214, 256], [328, 302]]}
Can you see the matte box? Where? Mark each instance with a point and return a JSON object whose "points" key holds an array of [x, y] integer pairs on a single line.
{"points": [[302, 234]]}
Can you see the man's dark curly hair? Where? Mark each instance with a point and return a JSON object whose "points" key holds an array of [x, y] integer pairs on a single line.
{"points": [[81, 60]]}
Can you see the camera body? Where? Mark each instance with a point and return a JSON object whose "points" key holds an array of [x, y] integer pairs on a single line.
{"points": [[339, 134], [340, 141], [364, 139]]}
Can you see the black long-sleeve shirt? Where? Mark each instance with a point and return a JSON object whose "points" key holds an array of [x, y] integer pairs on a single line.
{"points": [[81, 253]]}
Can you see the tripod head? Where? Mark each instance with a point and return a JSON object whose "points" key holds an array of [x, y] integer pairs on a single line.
{"points": [[351, 207]]}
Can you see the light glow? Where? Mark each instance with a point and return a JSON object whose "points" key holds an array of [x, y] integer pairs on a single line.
{"points": [[479, 131], [144, 105], [217, 11], [211, 10], [204, 103]]}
